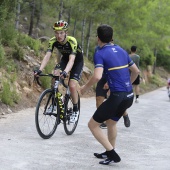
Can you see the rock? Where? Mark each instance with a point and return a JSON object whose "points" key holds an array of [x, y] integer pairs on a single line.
{"points": [[44, 38]]}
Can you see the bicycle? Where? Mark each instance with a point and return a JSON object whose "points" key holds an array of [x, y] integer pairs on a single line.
{"points": [[47, 122]]}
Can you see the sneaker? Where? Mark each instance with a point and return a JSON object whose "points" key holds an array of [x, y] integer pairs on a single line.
{"points": [[113, 157], [103, 126], [100, 155], [74, 116], [126, 121], [51, 108], [107, 161], [137, 100]]}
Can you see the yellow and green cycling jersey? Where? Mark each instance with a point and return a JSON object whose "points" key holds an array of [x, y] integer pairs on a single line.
{"points": [[70, 47]]}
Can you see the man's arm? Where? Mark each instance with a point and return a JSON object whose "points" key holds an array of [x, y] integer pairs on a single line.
{"points": [[94, 79], [134, 72], [70, 63]]}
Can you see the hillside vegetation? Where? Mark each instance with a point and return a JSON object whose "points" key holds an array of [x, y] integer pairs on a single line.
{"points": [[26, 26]]}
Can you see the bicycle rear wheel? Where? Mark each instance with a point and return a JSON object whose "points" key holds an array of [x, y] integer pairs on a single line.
{"points": [[70, 127], [47, 121]]}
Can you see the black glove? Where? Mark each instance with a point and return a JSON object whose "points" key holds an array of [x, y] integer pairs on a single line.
{"points": [[37, 72], [64, 74]]}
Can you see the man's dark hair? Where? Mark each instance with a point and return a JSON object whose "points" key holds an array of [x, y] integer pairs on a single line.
{"points": [[105, 33], [133, 48]]}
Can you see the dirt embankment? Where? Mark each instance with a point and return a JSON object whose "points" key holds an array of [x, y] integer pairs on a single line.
{"points": [[29, 91]]}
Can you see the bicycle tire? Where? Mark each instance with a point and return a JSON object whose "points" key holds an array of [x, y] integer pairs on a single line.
{"points": [[69, 128], [46, 123]]}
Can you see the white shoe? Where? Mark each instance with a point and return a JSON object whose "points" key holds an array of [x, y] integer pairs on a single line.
{"points": [[49, 110], [137, 101], [74, 117]]}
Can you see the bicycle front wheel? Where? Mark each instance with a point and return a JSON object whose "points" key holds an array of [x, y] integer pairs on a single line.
{"points": [[47, 114], [70, 127]]}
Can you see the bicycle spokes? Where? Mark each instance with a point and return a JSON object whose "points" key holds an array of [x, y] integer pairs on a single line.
{"points": [[47, 116]]}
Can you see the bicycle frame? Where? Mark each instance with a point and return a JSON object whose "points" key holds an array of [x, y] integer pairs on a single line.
{"points": [[58, 95]]}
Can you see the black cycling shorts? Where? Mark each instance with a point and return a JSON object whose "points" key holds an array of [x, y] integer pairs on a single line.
{"points": [[75, 72], [114, 107], [99, 88], [137, 81]]}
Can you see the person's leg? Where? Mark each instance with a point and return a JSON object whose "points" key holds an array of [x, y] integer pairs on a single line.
{"points": [[137, 91], [112, 132], [101, 95], [75, 76], [126, 119], [99, 134], [74, 95], [99, 100], [104, 140], [73, 90]]}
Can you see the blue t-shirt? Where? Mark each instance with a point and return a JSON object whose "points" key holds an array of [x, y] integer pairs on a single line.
{"points": [[115, 62]]}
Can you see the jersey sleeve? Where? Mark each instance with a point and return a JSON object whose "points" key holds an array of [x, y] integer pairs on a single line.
{"points": [[73, 43], [50, 44], [98, 60]]}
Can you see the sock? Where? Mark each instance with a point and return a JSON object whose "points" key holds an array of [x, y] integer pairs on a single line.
{"points": [[113, 155], [75, 107], [137, 96]]}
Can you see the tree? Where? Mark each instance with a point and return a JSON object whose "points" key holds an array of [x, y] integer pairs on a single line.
{"points": [[17, 14], [88, 37], [61, 10], [32, 5]]}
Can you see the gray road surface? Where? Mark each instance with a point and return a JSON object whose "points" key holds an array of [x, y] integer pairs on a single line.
{"points": [[143, 146]]}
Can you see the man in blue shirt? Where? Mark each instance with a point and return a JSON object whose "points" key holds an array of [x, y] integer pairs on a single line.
{"points": [[115, 63]]}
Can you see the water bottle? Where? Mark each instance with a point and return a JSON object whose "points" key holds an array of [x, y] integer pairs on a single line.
{"points": [[61, 104]]}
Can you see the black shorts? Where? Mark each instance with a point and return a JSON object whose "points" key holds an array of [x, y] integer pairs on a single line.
{"points": [[99, 88], [76, 70], [137, 81], [114, 107]]}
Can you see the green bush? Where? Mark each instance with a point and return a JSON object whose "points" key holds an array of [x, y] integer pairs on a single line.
{"points": [[147, 60], [155, 79], [2, 57], [8, 35], [25, 40], [18, 53], [10, 67], [7, 96], [46, 81], [163, 59]]}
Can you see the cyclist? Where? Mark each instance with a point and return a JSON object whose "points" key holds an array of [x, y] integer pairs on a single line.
{"points": [[115, 63], [71, 61]]}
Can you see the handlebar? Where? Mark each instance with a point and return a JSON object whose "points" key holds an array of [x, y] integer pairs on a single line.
{"points": [[53, 76]]}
